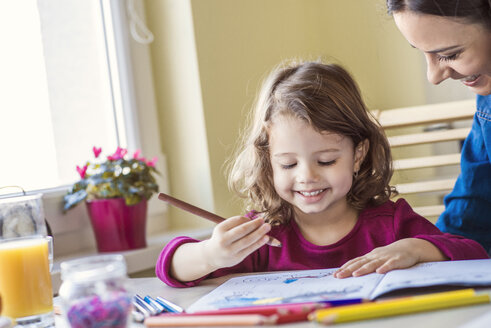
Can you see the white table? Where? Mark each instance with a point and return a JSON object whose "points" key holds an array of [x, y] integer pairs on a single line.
{"points": [[447, 318]]}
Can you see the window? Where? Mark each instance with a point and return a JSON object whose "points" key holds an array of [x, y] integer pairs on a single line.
{"points": [[60, 100], [67, 86]]}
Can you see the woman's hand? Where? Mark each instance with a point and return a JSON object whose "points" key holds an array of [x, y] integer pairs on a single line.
{"points": [[400, 254], [233, 239]]}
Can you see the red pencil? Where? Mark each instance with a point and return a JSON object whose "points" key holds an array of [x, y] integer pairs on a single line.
{"points": [[250, 315], [268, 309], [191, 319]]}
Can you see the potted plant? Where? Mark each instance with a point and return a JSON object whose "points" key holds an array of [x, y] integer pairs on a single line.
{"points": [[116, 191]]}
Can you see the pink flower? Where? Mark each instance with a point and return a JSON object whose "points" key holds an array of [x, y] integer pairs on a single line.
{"points": [[96, 151], [152, 162], [118, 154], [137, 156], [82, 170]]}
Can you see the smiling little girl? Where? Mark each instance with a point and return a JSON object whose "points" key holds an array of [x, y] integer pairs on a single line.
{"points": [[315, 167]]}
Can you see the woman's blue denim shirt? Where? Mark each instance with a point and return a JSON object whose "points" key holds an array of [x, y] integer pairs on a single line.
{"points": [[468, 206]]}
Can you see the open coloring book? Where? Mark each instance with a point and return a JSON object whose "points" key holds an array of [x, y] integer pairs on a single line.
{"points": [[320, 285]]}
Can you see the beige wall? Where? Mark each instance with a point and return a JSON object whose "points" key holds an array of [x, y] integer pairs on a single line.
{"points": [[209, 57]]}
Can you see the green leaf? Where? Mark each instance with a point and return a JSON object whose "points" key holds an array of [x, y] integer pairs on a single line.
{"points": [[71, 200]]}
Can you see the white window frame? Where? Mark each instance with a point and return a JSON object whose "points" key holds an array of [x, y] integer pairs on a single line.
{"points": [[71, 230]]}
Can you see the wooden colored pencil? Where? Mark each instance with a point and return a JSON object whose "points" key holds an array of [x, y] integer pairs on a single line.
{"points": [[342, 302], [398, 306], [203, 213], [267, 309], [186, 320]]}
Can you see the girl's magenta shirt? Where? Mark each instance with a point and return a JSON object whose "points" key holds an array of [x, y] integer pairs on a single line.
{"points": [[376, 227]]}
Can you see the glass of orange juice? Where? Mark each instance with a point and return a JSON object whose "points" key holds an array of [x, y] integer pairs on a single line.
{"points": [[25, 280]]}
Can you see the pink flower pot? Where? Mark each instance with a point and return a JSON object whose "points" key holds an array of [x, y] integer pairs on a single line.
{"points": [[118, 227]]}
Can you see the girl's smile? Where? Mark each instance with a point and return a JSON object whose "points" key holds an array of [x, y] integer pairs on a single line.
{"points": [[313, 196]]}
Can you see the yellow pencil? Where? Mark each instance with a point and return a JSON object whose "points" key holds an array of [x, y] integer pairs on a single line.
{"points": [[399, 306]]}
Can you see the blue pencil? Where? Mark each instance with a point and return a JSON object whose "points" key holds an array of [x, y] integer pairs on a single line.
{"points": [[169, 306], [154, 304], [344, 302], [280, 300]]}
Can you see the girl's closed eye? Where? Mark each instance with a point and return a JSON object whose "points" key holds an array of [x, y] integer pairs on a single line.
{"points": [[327, 163], [288, 166]]}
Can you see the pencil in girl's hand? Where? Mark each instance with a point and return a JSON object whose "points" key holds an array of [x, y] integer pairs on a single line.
{"points": [[190, 208], [203, 213]]}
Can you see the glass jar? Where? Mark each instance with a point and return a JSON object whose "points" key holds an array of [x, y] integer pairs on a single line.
{"points": [[93, 292]]}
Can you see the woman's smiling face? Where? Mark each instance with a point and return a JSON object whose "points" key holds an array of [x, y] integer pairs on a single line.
{"points": [[453, 48]]}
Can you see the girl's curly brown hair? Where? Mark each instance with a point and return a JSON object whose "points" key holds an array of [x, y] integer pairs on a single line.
{"points": [[327, 97]]}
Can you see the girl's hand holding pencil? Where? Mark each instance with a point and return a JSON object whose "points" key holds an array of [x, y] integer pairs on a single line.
{"points": [[234, 239], [203, 213]]}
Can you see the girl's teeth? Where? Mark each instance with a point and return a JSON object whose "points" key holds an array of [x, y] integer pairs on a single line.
{"points": [[311, 193]]}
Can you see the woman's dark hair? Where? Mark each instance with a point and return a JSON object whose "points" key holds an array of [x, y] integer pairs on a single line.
{"points": [[472, 11]]}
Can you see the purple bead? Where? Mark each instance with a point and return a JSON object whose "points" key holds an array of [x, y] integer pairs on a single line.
{"points": [[94, 312]]}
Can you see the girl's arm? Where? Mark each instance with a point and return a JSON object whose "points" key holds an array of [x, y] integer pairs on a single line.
{"points": [[232, 241]]}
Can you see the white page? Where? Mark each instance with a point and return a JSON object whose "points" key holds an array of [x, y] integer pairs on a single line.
{"points": [[459, 273], [285, 287]]}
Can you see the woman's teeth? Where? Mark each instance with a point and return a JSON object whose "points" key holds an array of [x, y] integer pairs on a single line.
{"points": [[311, 193], [470, 78]]}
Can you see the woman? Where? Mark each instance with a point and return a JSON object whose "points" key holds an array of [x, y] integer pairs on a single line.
{"points": [[455, 37]]}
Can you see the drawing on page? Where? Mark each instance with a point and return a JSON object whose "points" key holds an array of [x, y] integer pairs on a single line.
{"points": [[247, 298], [288, 287], [285, 279], [324, 295]]}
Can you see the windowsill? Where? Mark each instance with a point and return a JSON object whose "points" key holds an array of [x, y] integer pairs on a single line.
{"points": [[136, 260]]}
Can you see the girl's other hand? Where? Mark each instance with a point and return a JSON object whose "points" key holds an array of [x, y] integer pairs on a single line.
{"points": [[233, 239], [400, 254]]}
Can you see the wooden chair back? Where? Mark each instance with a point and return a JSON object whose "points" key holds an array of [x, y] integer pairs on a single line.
{"points": [[420, 137]]}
